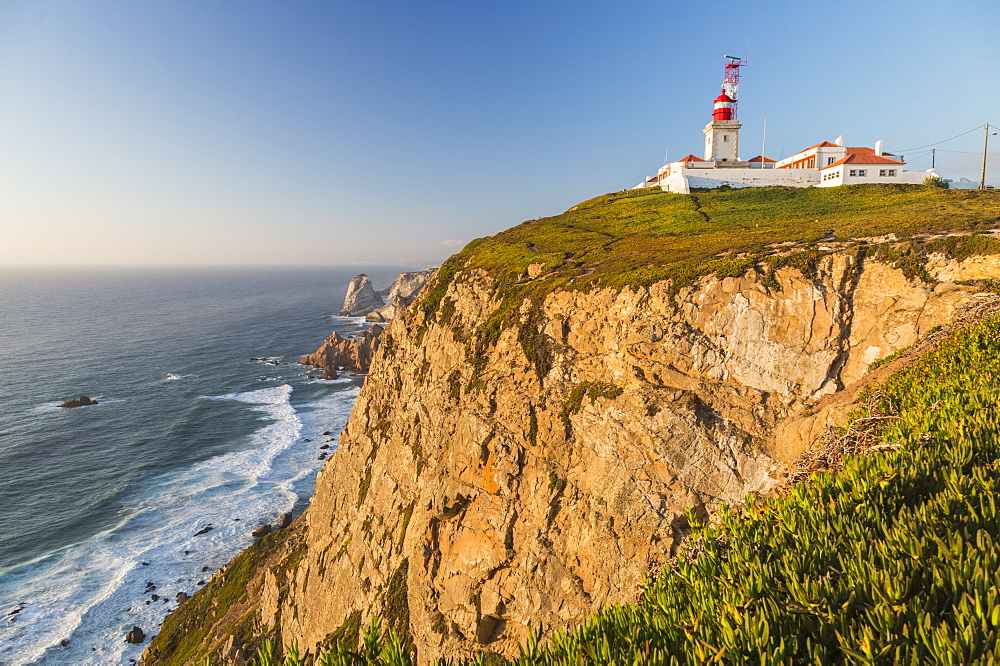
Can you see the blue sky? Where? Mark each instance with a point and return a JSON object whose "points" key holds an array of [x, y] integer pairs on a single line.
{"points": [[213, 132]]}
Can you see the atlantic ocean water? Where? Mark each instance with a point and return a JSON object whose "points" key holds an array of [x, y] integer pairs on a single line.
{"points": [[100, 504]]}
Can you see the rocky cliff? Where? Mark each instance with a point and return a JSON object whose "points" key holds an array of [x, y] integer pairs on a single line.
{"points": [[530, 436], [382, 306], [361, 297], [403, 290], [347, 354]]}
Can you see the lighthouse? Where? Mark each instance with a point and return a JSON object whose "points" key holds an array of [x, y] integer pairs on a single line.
{"points": [[722, 135]]}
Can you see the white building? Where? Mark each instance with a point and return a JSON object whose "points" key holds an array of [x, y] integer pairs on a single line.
{"points": [[825, 164]]}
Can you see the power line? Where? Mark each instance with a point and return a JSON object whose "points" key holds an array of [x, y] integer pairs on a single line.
{"points": [[906, 150], [968, 152]]}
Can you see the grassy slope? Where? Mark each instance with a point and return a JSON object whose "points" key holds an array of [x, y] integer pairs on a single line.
{"points": [[639, 237]]}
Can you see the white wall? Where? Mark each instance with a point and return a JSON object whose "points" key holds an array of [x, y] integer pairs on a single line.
{"points": [[754, 177], [681, 181]]}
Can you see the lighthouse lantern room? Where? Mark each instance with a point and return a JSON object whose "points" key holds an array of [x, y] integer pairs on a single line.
{"points": [[722, 135]]}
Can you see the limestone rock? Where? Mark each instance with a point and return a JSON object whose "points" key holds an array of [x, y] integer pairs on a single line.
{"points": [[135, 635], [400, 294], [361, 297]]}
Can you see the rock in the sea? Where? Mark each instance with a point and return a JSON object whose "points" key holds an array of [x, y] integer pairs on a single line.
{"points": [[82, 401], [263, 530], [136, 635], [400, 294], [361, 297], [350, 354], [182, 597], [204, 530], [285, 520]]}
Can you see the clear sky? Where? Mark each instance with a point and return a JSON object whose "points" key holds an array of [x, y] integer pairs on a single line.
{"points": [[299, 132]]}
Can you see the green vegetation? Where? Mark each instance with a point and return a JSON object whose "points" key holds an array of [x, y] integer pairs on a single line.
{"points": [[184, 630], [893, 560], [592, 390], [366, 483], [407, 515], [642, 236]]}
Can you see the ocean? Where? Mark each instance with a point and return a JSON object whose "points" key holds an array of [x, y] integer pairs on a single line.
{"points": [[101, 504]]}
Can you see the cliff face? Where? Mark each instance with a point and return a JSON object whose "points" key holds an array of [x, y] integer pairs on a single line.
{"points": [[473, 497], [401, 293], [528, 499], [521, 457]]}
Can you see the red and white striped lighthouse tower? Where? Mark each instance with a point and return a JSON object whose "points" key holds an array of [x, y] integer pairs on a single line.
{"points": [[722, 135], [723, 107]]}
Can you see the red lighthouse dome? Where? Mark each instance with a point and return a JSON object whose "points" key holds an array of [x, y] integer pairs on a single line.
{"points": [[723, 107]]}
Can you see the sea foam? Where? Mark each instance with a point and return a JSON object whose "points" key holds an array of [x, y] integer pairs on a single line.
{"points": [[93, 592]]}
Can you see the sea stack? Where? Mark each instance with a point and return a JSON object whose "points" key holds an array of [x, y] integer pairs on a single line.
{"points": [[361, 297]]}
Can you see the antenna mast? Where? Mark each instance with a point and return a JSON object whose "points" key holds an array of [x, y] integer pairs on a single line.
{"points": [[731, 81]]}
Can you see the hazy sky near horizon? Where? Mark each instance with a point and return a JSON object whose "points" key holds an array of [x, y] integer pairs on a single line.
{"points": [[308, 132]]}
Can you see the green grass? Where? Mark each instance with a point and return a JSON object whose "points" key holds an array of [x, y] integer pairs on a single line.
{"points": [[637, 238], [893, 560]]}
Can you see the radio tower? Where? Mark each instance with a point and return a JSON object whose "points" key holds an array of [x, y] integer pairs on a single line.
{"points": [[731, 81], [722, 135]]}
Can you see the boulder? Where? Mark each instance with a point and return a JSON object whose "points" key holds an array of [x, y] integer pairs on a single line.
{"points": [[82, 401], [263, 530], [361, 297], [182, 597], [136, 635], [285, 520]]}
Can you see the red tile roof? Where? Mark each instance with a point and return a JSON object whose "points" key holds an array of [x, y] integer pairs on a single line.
{"points": [[691, 158], [822, 144], [761, 158], [862, 155]]}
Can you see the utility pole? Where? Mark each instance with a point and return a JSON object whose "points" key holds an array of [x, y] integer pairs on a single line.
{"points": [[763, 143], [933, 155], [986, 143]]}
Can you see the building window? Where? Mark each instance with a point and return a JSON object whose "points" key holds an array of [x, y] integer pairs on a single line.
{"points": [[882, 172], [854, 172], [862, 172], [892, 172], [725, 137], [830, 160]]}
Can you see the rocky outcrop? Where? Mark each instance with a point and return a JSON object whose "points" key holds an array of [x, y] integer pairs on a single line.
{"points": [[496, 477], [82, 401], [361, 297], [401, 293], [347, 354]]}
